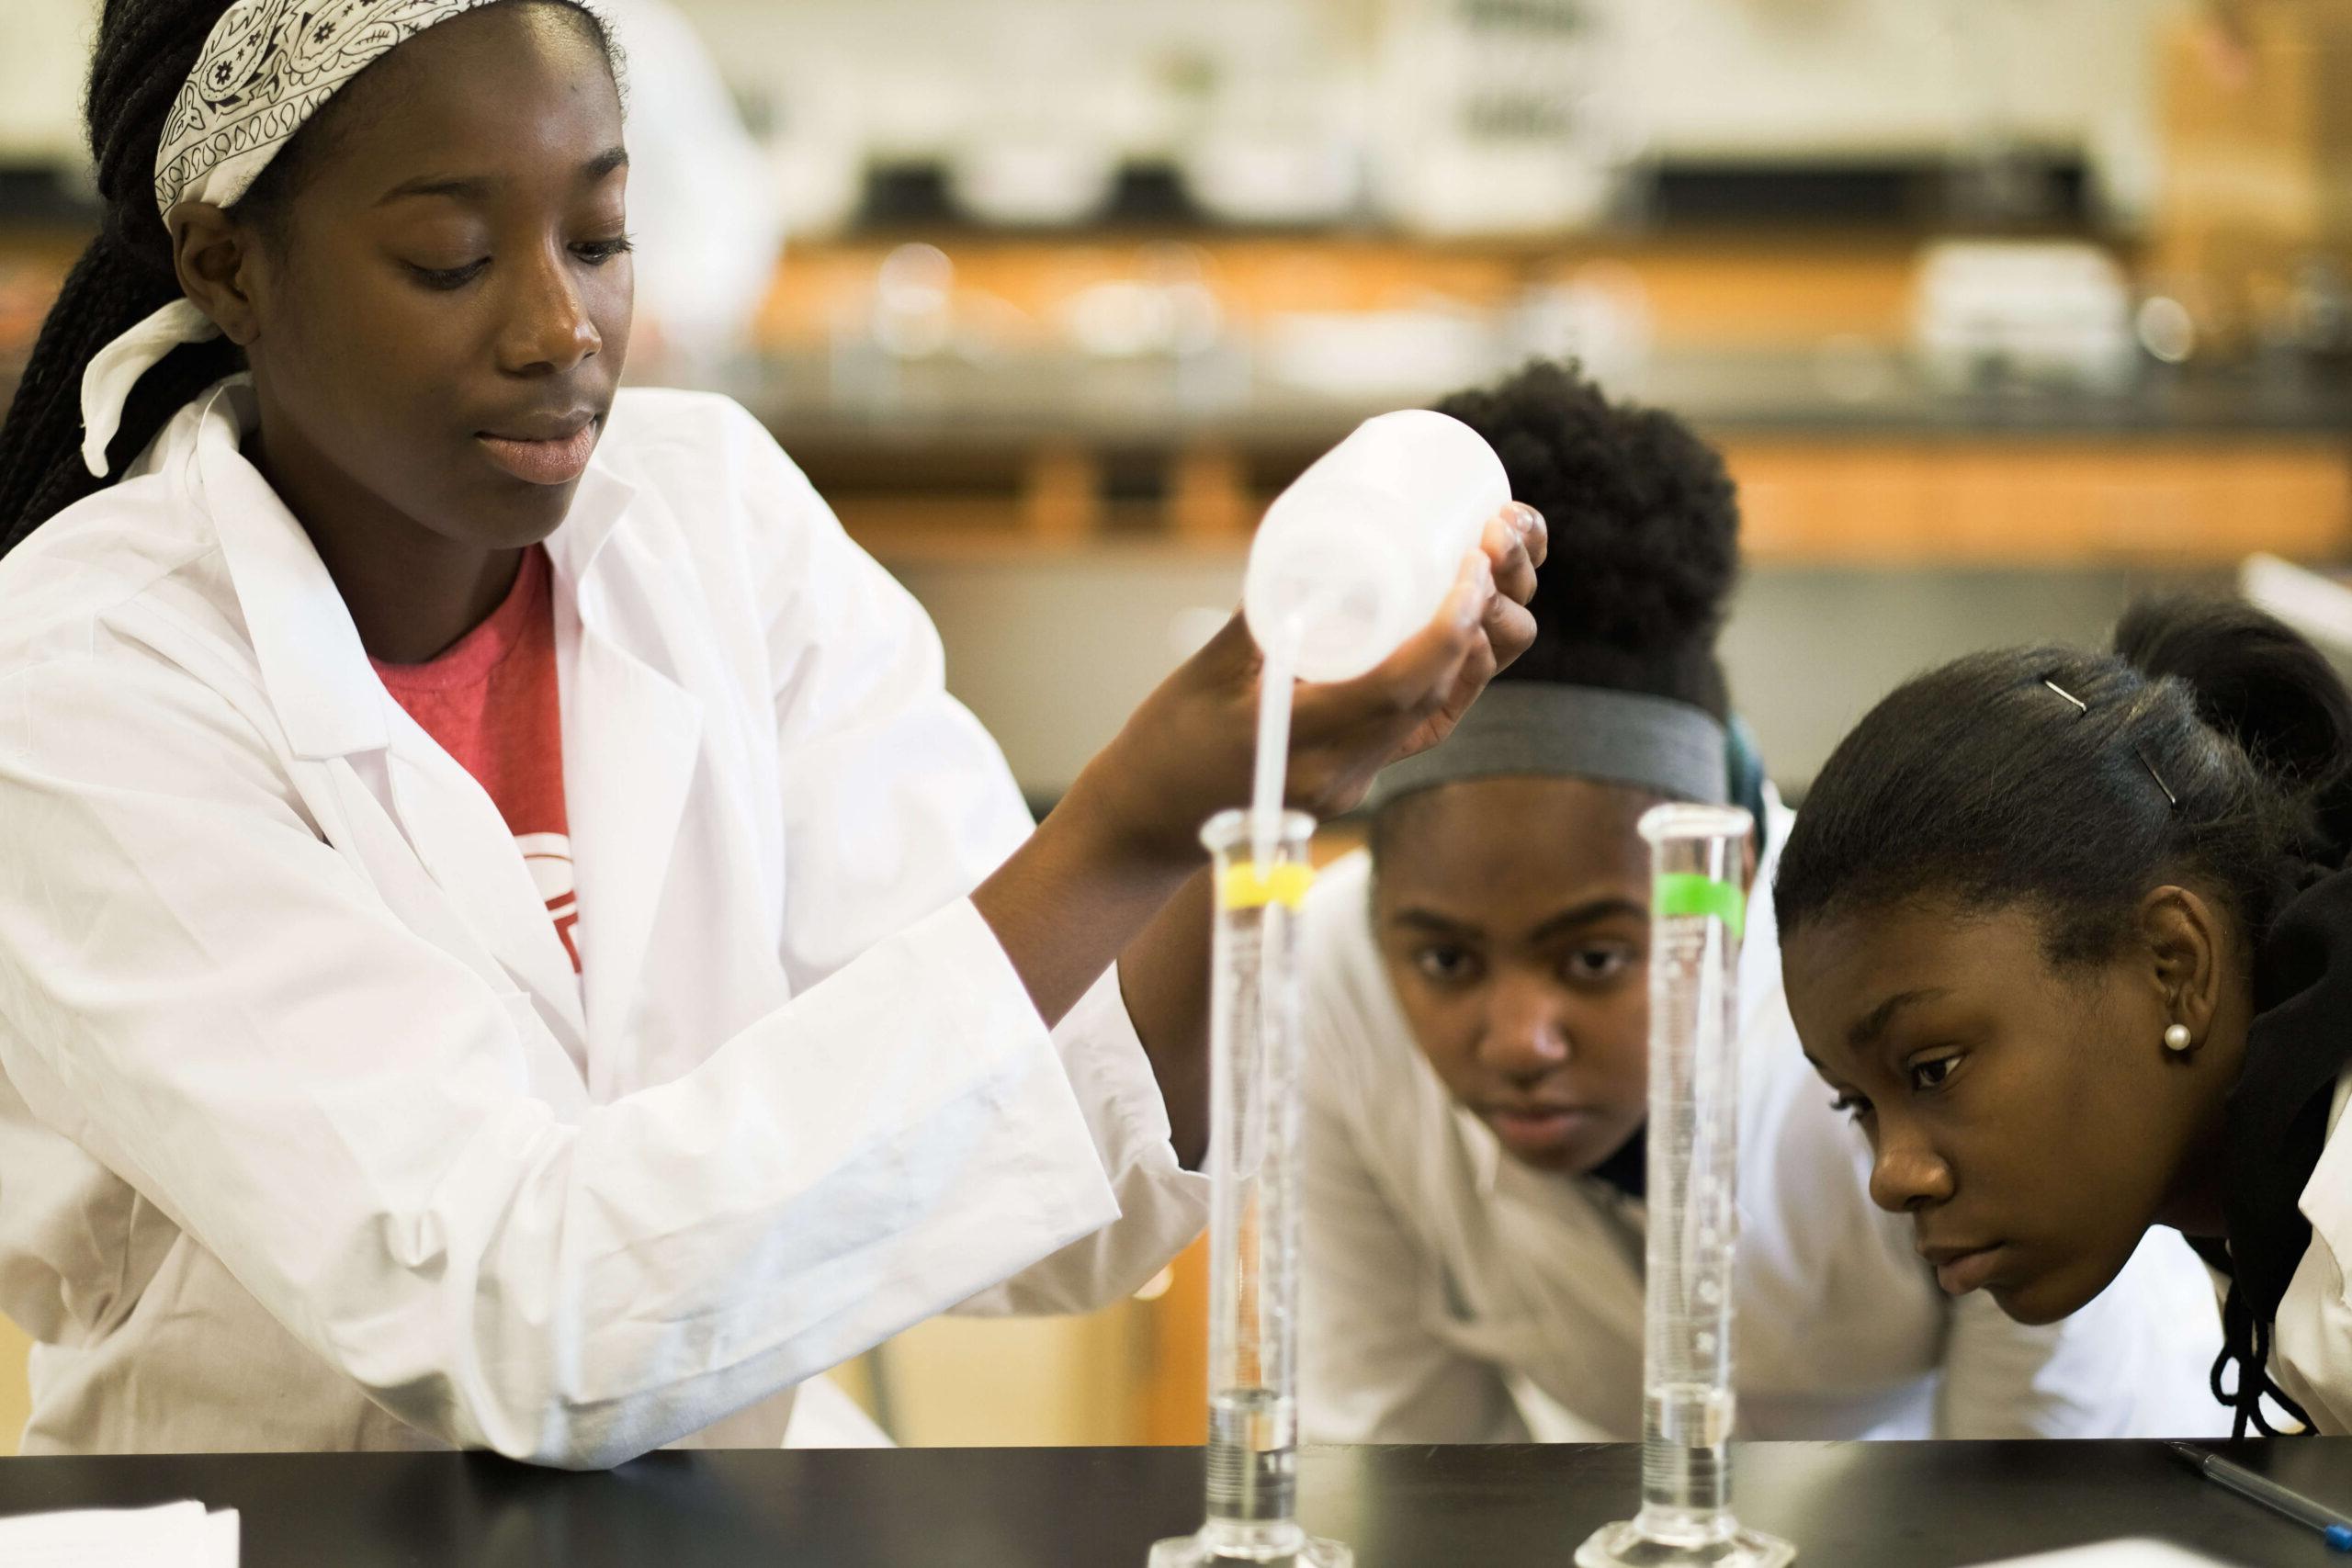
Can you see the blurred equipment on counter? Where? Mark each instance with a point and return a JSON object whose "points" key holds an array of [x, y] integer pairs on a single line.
{"points": [[2033, 312], [1495, 117], [2255, 225], [702, 212]]}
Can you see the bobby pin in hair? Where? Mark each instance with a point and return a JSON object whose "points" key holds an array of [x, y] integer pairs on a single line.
{"points": [[2141, 753], [2082, 708]]}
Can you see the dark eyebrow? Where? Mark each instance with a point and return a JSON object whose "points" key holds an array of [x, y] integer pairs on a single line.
{"points": [[1569, 919], [476, 187], [1604, 908], [1872, 1024], [456, 188], [1431, 920]]}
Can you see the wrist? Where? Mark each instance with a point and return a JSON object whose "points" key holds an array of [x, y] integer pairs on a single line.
{"points": [[1117, 826]]}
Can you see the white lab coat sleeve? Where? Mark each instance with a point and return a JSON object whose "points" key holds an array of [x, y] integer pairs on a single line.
{"points": [[2311, 1354], [875, 839], [1161, 1206], [204, 994], [1371, 1369], [2132, 1363], [2011, 1380]]}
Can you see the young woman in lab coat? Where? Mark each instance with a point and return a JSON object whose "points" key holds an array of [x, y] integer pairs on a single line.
{"points": [[1478, 1065], [2070, 935], [505, 940]]}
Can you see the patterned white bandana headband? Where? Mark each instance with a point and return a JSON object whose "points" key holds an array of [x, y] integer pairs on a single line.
{"points": [[264, 70]]}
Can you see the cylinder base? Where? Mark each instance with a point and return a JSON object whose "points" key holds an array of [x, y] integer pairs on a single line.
{"points": [[1217, 1548], [1624, 1545]]}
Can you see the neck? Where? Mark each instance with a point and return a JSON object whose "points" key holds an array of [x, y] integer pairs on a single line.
{"points": [[2197, 1203], [411, 593]]}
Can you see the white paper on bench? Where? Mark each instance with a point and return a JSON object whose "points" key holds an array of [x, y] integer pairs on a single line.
{"points": [[176, 1535], [2138, 1552]]}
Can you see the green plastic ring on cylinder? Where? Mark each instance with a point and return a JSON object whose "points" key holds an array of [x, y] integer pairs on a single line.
{"points": [[1687, 893]]}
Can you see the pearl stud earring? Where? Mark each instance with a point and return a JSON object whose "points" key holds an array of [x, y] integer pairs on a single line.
{"points": [[2176, 1037]]}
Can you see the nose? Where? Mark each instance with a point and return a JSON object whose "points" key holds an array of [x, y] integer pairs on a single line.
{"points": [[1526, 1034], [546, 330], [1907, 1174]]}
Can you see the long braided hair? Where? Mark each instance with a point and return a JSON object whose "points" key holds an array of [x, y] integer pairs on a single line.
{"points": [[144, 52]]}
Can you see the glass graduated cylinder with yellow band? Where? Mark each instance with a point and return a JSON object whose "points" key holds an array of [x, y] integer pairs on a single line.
{"points": [[1243, 886], [1255, 1046]]}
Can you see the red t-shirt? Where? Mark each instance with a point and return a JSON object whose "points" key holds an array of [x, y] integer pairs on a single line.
{"points": [[492, 703]]}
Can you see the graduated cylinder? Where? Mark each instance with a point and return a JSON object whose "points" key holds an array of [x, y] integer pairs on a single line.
{"points": [[1697, 917], [1254, 1170]]}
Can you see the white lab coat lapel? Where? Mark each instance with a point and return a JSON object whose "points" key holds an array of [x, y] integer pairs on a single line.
{"points": [[333, 704], [632, 737], [469, 850]]}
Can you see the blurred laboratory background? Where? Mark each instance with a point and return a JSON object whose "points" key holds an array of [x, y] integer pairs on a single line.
{"points": [[2001, 310]]}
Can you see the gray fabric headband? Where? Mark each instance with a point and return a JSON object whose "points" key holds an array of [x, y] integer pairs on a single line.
{"points": [[1657, 744]]}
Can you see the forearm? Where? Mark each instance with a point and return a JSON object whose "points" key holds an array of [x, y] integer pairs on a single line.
{"points": [[1071, 899], [1164, 976], [1080, 894]]}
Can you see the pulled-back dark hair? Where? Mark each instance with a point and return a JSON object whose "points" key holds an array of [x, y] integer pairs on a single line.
{"points": [[144, 52], [2212, 748], [1644, 527], [2209, 749]]}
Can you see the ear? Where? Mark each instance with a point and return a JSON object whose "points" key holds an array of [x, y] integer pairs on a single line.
{"points": [[214, 254], [2186, 943]]}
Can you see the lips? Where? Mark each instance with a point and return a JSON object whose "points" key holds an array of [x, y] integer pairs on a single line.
{"points": [[1959, 1270], [547, 451], [1534, 1128]]}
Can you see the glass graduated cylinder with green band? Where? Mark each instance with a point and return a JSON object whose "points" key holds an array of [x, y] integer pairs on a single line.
{"points": [[1254, 1170], [1698, 915], [1693, 893]]}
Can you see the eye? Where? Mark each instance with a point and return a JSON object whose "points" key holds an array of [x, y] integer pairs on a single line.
{"points": [[1601, 963], [1928, 1076], [1932, 1074], [1853, 1107], [596, 253], [1446, 964], [448, 279]]}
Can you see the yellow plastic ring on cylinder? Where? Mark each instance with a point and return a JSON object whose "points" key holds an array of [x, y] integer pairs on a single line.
{"points": [[1242, 888]]}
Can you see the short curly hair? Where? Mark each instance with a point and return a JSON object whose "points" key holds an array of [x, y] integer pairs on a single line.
{"points": [[1645, 524]]}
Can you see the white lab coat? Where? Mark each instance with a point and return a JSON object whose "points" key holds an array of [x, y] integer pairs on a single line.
{"points": [[309, 1136], [1453, 1295], [2311, 1346]]}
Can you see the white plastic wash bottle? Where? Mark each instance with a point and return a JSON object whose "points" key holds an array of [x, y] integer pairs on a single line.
{"points": [[1358, 554]]}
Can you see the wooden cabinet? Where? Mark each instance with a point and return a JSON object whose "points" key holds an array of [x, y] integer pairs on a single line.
{"points": [[2058, 502], [1969, 499]]}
